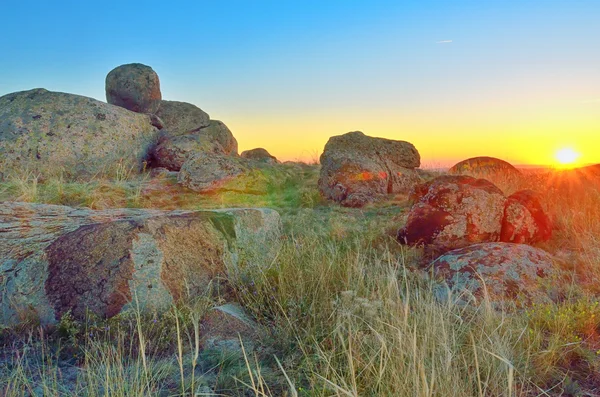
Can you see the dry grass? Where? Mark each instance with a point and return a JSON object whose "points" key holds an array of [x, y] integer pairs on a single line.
{"points": [[346, 313]]}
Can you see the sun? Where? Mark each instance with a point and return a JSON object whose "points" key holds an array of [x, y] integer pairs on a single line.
{"points": [[566, 157]]}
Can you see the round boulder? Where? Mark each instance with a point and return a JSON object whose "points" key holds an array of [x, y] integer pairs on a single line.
{"points": [[502, 270], [357, 169], [524, 219], [52, 133], [180, 118], [259, 154], [135, 87], [485, 166], [453, 212]]}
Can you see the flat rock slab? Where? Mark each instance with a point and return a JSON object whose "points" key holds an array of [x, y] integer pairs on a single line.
{"points": [[55, 259]]}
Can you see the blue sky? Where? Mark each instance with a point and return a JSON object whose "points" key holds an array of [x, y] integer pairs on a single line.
{"points": [[456, 78]]}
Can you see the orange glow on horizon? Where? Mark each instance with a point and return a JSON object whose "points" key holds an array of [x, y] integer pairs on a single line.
{"points": [[567, 158]]}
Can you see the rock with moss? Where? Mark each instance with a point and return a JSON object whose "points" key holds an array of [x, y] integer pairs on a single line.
{"points": [[53, 133], [452, 212], [357, 169], [57, 259], [135, 87], [502, 271], [525, 221]]}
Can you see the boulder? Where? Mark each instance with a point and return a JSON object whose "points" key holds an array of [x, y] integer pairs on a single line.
{"points": [[218, 132], [259, 154], [180, 118], [524, 219], [52, 133], [224, 326], [357, 169], [505, 271], [208, 172], [484, 167], [172, 151], [56, 259], [452, 212], [135, 87]]}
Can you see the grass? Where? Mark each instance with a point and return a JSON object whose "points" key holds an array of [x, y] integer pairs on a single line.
{"points": [[345, 311]]}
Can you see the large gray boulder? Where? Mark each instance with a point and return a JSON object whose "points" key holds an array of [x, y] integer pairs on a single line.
{"points": [[135, 87], [503, 271], [51, 133], [357, 169], [55, 259], [452, 212]]}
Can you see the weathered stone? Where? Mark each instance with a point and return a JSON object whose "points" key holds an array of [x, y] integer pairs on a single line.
{"points": [[135, 87], [218, 132], [172, 151], [182, 118], [357, 169], [55, 259], [259, 154], [53, 133], [224, 326], [453, 212], [485, 166], [524, 219], [504, 271], [210, 173]]}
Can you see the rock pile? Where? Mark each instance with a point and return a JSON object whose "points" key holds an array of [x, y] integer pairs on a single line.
{"points": [[475, 228]]}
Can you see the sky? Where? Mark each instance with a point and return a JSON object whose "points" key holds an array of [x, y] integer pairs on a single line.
{"points": [[518, 80]]}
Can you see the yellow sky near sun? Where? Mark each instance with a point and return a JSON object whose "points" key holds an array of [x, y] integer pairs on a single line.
{"points": [[528, 136]]}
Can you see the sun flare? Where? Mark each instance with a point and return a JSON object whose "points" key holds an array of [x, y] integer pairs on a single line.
{"points": [[566, 157]]}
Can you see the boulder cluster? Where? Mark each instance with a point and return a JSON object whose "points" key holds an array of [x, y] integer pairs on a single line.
{"points": [[52, 133], [472, 233], [482, 235]]}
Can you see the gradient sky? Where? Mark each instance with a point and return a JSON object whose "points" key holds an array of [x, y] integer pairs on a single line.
{"points": [[515, 80]]}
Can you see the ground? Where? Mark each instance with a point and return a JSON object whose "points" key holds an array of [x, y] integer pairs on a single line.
{"points": [[344, 308]]}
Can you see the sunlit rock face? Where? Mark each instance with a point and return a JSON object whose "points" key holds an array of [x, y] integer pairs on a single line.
{"points": [[525, 221], [357, 169], [54, 133], [452, 212], [500, 271], [57, 259], [135, 87]]}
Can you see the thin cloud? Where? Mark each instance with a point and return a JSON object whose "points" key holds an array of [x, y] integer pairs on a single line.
{"points": [[443, 41]]}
